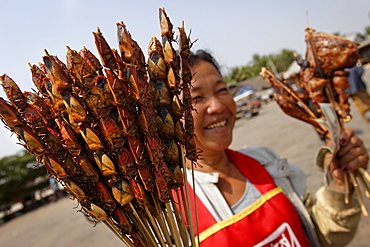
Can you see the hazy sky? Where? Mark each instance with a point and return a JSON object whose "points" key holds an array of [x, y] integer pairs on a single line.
{"points": [[233, 30]]}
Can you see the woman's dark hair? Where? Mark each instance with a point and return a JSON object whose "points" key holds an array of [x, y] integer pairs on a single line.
{"points": [[202, 55]]}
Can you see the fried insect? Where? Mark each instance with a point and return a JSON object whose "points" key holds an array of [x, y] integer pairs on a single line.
{"points": [[9, 115], [184, 49], [111, 130], [13, 92], [104, 51], [122, 192]]}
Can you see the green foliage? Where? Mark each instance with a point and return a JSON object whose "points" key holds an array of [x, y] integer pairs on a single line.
{"points": [[17, 176], [280, 62], [339, 34], [367, 31]]}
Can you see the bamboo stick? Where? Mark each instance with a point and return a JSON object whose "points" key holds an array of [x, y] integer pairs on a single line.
{"points": [[155, 226], [173, 225], [137, 225], [364, 173], [181, 224], [167, 220], [108, 222], [187, 194], [195, 204], [346, 189], [180, 201], [358, 193], [142, 225], [161, 220], [363, 183]]}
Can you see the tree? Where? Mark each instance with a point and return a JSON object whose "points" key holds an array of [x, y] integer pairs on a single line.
{"points": [[367, 31], [280, 62], [18, 174]]}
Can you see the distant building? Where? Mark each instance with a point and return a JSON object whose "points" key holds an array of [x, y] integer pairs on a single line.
{"points": [[256, 82], [364, 45], [364, 50]]}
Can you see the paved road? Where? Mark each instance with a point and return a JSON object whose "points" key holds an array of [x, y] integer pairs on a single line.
{"points": [[59, 223]]}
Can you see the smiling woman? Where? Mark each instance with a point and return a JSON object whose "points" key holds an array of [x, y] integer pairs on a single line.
{"points": [[215, 107], [239, 191]]}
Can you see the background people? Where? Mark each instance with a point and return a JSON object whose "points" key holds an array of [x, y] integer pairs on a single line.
{"points": [[358, 90]]}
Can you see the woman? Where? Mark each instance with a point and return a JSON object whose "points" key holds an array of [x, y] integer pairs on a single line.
{"points": [[252, 197], [357, 90]]}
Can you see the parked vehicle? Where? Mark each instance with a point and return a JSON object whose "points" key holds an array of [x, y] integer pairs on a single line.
{"points": [[249, 108], [247, 102]]}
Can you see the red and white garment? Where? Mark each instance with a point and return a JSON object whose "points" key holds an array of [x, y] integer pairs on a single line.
{"points": [[270, 221]]}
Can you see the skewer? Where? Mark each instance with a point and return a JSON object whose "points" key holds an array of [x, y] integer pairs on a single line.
{"points": [[364, 173], [363, 183], [150, 229], [195, 206], [108, 222], [296, 97], [358, 193], [155, 226], [346, 189], [161, 220], [330, 95], [137, 225], [183, 205], [334, 103], [187, 199], [181, 224], [173, 225], [142, 225]]}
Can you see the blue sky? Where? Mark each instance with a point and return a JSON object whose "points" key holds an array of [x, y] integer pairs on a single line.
{"points": [[233, 30]]}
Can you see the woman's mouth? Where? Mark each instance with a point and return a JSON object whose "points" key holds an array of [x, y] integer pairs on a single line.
{"points": [[217, 125]]}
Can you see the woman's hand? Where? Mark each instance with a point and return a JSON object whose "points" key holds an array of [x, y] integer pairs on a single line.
{"points": [[351, 155]]}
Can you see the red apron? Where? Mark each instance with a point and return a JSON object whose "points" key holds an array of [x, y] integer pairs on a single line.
{"points": [[271, 221]]}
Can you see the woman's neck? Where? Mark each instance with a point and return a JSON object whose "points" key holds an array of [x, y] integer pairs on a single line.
{"points": [[231, 181], [216, 162]]}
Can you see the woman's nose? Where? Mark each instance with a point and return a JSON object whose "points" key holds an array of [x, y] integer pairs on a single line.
{"points": [[215, 105]]}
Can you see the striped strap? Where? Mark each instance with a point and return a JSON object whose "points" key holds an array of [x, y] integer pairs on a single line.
{"points": [[239, 216]]}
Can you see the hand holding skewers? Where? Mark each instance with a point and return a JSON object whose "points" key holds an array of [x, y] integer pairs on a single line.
{"points": [[351, 156], [324, 81]]}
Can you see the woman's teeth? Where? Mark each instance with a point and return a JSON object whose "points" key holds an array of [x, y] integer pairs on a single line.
{"points": [[217, 125]]}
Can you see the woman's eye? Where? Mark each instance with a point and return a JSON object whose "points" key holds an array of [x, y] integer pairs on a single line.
{"points": [[196, 99], [222, 90]]}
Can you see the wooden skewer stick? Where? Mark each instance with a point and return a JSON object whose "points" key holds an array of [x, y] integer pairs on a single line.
{"points": [[364, 173], [346, 189], [161, 219], [148, 236], [187, 199], [154, 225], [358, 193], [173, 225], [108, 222], [363, 183], [181, 224], [138, 226]]}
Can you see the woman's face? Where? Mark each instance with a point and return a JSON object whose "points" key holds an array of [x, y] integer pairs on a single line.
{"points": [[214, 115]]}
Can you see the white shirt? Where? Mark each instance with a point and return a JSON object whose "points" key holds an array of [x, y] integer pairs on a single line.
{"points": [[208, 192]]}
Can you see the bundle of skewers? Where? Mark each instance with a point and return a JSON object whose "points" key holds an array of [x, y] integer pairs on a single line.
{"points": [[115, 132], [322, 100]]}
